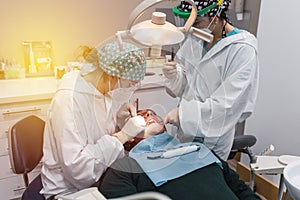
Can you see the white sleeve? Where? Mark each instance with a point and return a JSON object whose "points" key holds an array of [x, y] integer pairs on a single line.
{"points": [[188, 55], [177, 85], [220, 112], [82, 163]]}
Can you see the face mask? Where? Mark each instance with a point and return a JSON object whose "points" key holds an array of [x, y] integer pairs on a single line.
{"points": [[119, 96], [207, 30], [209, 25]]}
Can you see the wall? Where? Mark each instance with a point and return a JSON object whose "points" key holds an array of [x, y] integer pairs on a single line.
{"points": [[66, 23], [254, 7], [250, 16], [277, 116]]}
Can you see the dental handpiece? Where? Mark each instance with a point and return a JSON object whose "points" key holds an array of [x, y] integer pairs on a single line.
{"points": [[176, 152], [267, 151]]}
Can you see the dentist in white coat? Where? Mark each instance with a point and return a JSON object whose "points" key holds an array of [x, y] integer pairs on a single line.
{"points": [[217, 82], [88, 122]]}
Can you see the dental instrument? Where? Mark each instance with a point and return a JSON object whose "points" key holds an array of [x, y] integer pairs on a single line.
{"points": [[176, 152], [267, 151], [172, 54]]}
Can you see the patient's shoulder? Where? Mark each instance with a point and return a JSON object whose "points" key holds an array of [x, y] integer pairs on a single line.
{"points": [[127, 165]]}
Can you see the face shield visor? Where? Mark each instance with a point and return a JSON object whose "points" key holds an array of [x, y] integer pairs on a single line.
{"points": [[205, 8]]}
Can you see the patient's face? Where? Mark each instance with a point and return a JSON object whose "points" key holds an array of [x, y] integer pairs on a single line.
{"points": [[150, 116], [154, 124]]}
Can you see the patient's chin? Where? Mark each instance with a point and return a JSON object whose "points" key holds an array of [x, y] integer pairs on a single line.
{"points": [[134, 141]]}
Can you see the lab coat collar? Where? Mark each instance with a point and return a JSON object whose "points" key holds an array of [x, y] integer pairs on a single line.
{"points": [[244, 37]]}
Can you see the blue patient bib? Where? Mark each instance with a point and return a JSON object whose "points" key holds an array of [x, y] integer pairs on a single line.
{"points": [[161, 170]]}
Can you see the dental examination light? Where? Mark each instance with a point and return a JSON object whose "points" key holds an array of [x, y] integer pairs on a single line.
{"points": [[157, 31]]}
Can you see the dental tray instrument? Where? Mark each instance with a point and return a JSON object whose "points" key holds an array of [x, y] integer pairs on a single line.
{"points": [[175, 152]]}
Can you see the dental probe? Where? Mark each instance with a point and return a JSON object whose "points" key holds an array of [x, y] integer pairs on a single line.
{"points": [[172, 54]]}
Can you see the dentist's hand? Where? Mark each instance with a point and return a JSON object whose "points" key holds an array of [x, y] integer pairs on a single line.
{"points": [[170, 70], [153, 129], [133, 127], [126, 111], [173, 117]]}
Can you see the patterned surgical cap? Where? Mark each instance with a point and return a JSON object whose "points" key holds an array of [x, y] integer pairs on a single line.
{"points": [[129, 63], [201, 4]]}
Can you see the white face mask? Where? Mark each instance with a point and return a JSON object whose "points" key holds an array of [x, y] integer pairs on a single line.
{"points": [[207, 29], [119, 96]]}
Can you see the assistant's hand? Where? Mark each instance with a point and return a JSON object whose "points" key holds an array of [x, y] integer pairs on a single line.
{"points": [[153, 129], [172, 117], [133, 127], [170, 70], [126, 111]]}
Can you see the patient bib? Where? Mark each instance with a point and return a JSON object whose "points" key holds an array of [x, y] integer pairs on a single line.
{"points": [[161, 170]]}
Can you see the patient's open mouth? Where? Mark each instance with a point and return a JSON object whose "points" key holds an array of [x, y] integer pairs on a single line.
{"points": [[150, 117], [150, 121]]}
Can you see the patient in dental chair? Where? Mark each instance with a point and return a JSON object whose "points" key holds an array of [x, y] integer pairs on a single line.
{"points": [[199, 174], [154, 124]]}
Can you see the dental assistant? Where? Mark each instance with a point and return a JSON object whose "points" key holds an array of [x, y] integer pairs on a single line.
{"points": [[82, 137], [217, 82]]}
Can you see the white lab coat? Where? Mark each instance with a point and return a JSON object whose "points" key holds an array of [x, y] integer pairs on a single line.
{"points": [[218, 89], [77, 143]]}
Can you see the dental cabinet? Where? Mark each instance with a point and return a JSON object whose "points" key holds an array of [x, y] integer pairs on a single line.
{"points": [[22, 97], [19, 98]]}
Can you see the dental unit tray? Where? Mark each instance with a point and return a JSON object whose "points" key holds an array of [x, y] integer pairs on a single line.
{"points": [[175, 152]]}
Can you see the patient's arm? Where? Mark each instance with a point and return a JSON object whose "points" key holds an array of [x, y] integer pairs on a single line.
{"points": [[123, 178], [239, 188], [126, 177]]}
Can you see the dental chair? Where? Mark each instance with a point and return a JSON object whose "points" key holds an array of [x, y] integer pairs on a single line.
{"points": [[25, 140], [242, 143]]}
